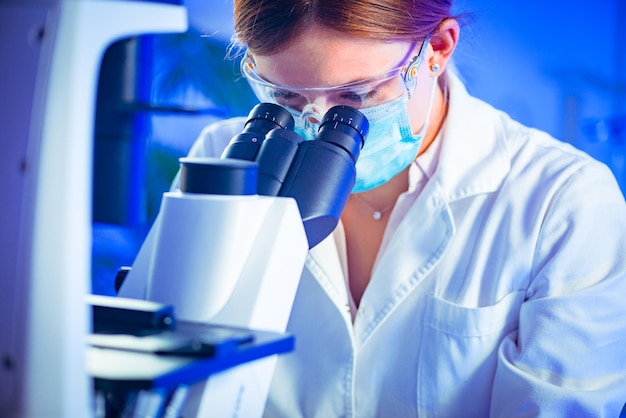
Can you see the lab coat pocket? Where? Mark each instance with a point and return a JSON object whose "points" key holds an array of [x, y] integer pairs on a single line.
{"points": [[458, 357]]}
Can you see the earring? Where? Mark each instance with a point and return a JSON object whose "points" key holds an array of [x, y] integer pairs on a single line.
{"points": [[435, 68]]}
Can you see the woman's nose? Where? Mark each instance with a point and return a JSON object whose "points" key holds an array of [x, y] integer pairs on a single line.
{"points": [[313, 112]]}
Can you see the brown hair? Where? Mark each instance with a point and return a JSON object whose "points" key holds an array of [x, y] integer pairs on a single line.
{"points": [[268, 26]]}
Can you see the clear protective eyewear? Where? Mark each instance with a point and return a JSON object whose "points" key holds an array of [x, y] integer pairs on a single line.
{"points": [[361, 94]]}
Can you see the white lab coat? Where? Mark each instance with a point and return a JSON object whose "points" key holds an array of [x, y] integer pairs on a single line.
{"points": [[501, 293]]}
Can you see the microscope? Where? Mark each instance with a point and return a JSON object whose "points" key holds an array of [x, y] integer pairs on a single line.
{"points": [[229, 246], [223, 258]]}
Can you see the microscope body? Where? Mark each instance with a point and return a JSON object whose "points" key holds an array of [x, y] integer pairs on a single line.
{"points": [[231, 260]]}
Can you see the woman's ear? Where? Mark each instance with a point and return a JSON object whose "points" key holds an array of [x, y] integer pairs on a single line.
{"points": [[444, 42]]}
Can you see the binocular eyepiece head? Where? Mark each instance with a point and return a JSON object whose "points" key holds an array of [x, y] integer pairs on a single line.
{"points": [[352, 126], [319, 174]]}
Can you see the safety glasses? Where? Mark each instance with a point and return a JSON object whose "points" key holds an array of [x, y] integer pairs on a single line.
{"points": [[369, 92]]}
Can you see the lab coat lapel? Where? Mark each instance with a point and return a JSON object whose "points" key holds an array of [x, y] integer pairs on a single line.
{"points": [[323, 263], [416, 247], [472, 161]]}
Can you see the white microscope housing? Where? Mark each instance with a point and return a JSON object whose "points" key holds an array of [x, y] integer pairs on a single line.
{"points": [[231, 260]]}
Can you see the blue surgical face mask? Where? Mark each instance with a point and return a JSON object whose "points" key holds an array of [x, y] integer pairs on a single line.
{"points": [[390, 146]]}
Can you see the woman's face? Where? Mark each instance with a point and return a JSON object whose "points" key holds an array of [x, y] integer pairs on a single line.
{"points": [[324, 58]]}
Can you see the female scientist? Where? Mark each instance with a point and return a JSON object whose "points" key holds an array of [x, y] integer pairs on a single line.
{"points": [[479, 268]]}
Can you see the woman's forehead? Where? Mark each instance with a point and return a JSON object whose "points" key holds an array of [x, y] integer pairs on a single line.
{"points": [[322, 58]]}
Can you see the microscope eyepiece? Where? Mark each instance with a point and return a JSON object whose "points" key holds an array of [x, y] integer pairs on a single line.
{"points": [[348, 121], [267, 116], [262, 119]]}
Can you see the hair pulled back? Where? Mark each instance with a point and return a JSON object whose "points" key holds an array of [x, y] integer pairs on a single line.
{"points": [[268, 26]]}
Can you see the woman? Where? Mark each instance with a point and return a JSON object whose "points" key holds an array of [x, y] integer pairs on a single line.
{"points": [[479, 267]]}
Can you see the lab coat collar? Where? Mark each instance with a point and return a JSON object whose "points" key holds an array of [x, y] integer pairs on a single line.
{"points": [[473, 156]]}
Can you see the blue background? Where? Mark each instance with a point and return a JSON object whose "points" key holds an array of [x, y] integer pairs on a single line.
{"points": [[557, 66], [551, 65]]}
